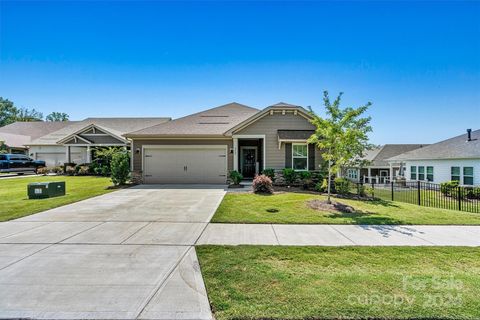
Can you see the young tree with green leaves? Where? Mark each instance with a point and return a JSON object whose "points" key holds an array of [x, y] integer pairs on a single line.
{"points": [[342, 135], [28, 115], [57, 116], [8, 112]]}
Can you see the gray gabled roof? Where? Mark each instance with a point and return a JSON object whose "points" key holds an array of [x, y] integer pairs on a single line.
{"points": [[453, 148], [377, 157], [212, 122], [115, 126], [20, 133]]}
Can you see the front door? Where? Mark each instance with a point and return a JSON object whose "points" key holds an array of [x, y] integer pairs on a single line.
{"points": [[248, 161]]}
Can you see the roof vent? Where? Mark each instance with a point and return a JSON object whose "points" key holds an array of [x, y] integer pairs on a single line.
{"points": [[469, 134]]}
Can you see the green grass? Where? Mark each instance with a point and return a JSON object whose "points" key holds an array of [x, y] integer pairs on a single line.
{"points": [[293, 208], [248, 282], [15, 202]]}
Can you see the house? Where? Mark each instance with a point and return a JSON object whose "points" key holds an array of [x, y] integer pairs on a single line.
{"points": [[456, 158], [205, 146], [71, 141], [18, 135], [376, 168]]}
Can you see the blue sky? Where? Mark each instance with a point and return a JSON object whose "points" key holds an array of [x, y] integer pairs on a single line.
{"points": [[418, 62]]}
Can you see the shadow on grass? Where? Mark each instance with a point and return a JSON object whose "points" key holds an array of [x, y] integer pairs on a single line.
{"points": [[365, 217]]}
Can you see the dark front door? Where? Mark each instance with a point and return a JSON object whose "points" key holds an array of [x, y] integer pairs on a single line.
{"points": [[249, 161]]}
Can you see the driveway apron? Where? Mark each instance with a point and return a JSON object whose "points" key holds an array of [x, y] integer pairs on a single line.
{"points": [[124, 255]]}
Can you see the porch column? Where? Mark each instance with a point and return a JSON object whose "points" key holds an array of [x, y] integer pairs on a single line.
{"points": [[369, 174], [67, 154], [391, 172], [235, 154], [89, 155]]}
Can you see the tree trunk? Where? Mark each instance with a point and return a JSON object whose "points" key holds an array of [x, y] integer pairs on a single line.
{"points": [[329, 181]]}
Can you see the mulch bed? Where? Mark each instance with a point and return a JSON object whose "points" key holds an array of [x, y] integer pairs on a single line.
{"points": [[322, 205]]}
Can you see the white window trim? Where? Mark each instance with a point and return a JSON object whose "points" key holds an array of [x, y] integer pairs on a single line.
{"points": [[300, 144]]}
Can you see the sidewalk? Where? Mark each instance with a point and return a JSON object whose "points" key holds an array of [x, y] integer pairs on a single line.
{"points": [[339, 235]]}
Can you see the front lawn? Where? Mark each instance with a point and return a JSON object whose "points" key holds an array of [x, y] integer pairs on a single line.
{"points": [[293, 208], [248, 282], [15, 203]]}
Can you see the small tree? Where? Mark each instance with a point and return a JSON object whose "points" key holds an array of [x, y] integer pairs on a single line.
{"points": [[120, 168], [342, 135]]}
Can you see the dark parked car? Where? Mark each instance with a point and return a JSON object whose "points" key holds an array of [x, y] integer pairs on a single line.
{"points": [[19, 163]]}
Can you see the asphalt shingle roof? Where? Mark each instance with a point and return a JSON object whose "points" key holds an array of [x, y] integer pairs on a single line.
{"points": [[214, 122], [116, 126], [378, 156], [18, 134], [454, 148]]}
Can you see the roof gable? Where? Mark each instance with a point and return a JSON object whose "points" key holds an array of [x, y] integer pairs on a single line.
{"points": [[281, 107]]}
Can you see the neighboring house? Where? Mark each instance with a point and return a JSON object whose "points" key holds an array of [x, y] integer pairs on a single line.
{"points": [[205, 146], [457, 158], [17, 135], [77, 141], [377, 168]]}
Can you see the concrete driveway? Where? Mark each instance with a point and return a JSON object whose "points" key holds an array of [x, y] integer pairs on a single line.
{"points": [[123, 255]]}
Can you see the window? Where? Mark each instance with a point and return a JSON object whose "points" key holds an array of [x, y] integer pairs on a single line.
{"points": [[352, 174], [430, 174], [300, 157], [413, 173], [3, 157], [421, 173], [455, 174], [468, 176]]}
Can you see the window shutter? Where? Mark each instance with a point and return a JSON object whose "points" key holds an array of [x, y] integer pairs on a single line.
{"points": [[288, 155], [311, 156]]}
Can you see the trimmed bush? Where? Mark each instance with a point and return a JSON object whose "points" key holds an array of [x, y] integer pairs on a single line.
{"points": [[269, 172], [43, 170], [321, 186], [120, 168], [289, 175], [262, 184], [448, 187], [342, 186], [236, 177]]}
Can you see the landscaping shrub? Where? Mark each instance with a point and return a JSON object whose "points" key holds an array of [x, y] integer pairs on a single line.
{"points": [[57, 170], [262, 184], [289, 175], [447, 188], [306, 177], [342, 186], [236, 177], [120, 168], [321, 186], [43, 170], [69, 170], [472, 192], [269, 172]]}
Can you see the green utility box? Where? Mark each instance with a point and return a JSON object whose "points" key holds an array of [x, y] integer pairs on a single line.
{"points": [[42, 190]]}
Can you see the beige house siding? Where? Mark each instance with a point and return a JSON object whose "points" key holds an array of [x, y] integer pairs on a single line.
{"points": [[138, 144], [268, 126]]}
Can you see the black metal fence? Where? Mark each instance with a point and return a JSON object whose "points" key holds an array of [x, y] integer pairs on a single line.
{"points": [[425, 194]]}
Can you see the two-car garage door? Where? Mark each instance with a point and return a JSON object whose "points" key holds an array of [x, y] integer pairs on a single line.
{"points": [[185, 164]]}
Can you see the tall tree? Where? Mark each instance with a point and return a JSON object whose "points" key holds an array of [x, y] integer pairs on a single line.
{"points": [[8, 112], [28, 115], [57, 116], [342, 134]]}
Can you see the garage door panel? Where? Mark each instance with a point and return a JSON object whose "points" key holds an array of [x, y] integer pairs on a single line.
{"points": [[185, 165]]}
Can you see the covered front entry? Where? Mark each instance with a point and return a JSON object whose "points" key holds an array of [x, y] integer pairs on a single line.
{"points": [[250, 157], [185, 164]]}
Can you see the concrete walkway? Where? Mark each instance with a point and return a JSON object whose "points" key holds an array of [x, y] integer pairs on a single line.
{"points": [[339, 235], [124, 255]]}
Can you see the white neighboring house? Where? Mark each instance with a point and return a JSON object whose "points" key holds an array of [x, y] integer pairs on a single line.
{"points": [[456, 158]]}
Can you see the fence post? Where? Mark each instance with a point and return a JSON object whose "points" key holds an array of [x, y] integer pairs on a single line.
{"points": [[459, 195], [392, 189], [418, 193]]}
